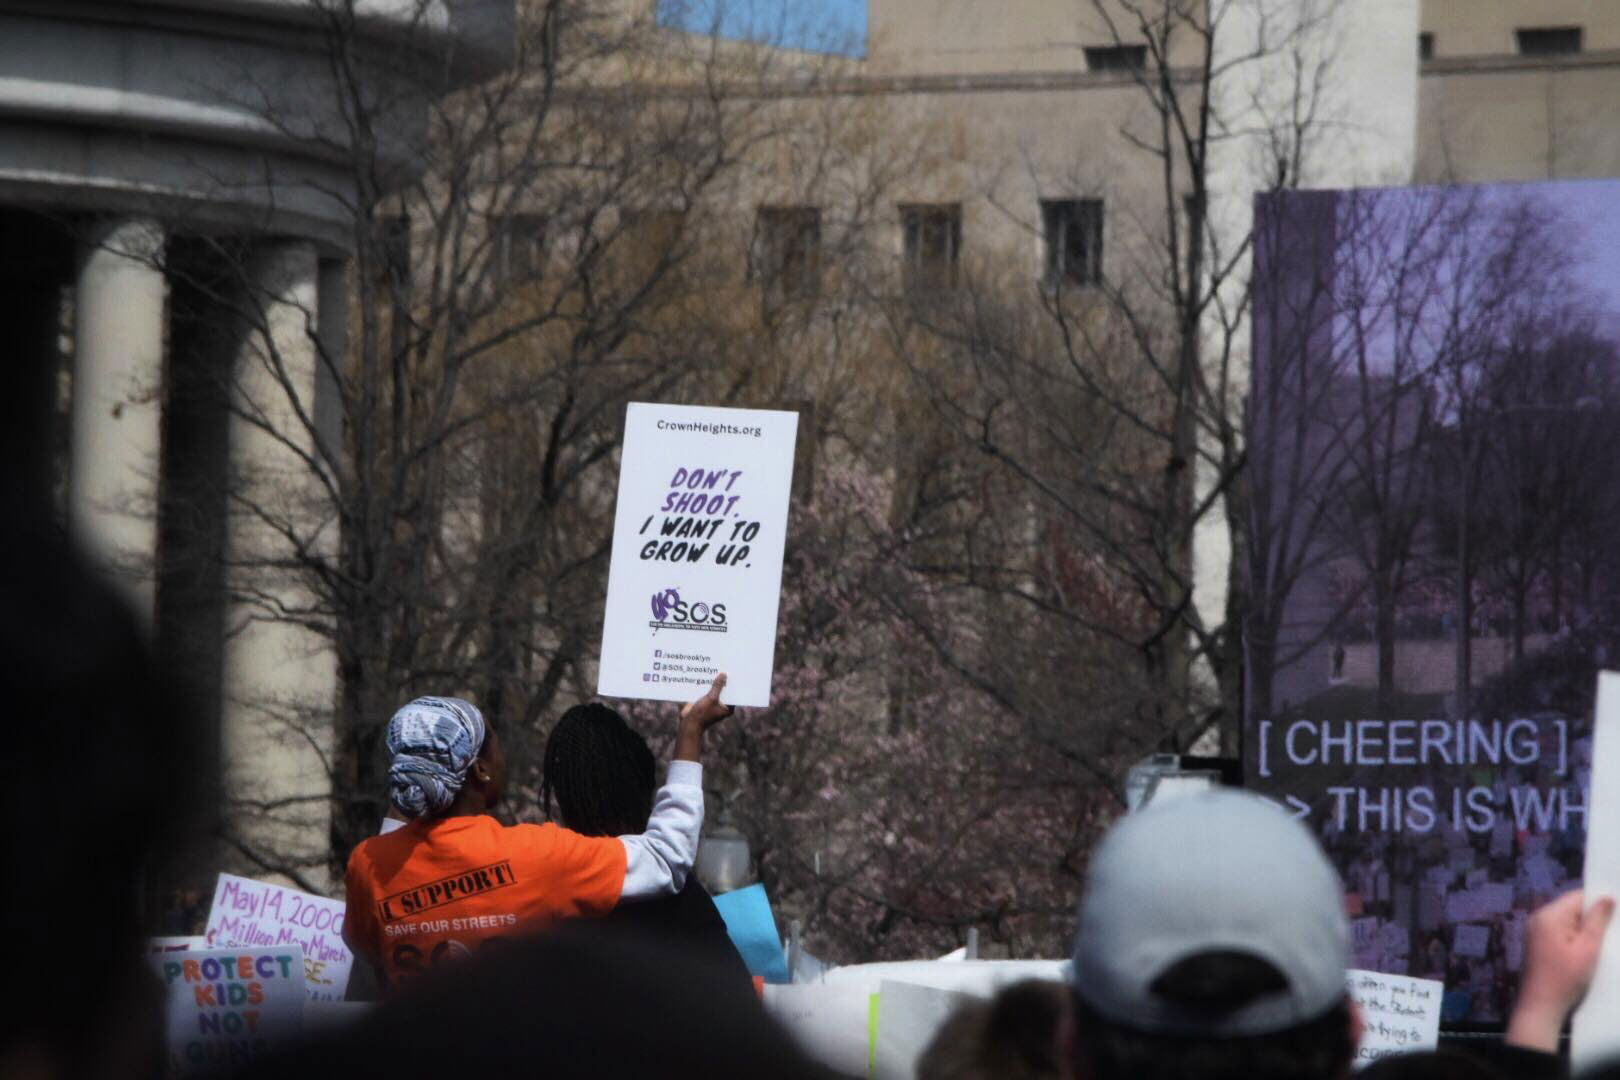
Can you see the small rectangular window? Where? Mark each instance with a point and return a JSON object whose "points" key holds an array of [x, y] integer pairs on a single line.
{"points": [[519, 247], [1074, 237], [1548, 40], [933, 243], [786, 254], [1115, 57], [1425, 46]]}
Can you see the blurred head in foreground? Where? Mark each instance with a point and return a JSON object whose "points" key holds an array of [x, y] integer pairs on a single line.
{"points": [[1212, 944], [579, 1001], [96, 781], [1010, 1037]]}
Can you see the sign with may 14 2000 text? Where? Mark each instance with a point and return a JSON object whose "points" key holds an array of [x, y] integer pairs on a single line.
{"points": [[262, 915], [696, 576]]}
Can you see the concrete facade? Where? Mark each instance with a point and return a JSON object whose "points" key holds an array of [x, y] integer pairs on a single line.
{"points": [[139, 139], [1035, 100], [1496, 106], [1412, 91], [177, 192]]}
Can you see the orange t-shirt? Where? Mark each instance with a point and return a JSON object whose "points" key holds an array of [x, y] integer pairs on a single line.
{"points": [[435, 890]]}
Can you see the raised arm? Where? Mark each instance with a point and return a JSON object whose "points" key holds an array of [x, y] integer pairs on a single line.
{"points": [[1563, 940], [658, 860]]}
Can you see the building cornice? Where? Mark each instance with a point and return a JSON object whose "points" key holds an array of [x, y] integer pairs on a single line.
{"points": [[476, 35], [1509, 63], [820, 85]]}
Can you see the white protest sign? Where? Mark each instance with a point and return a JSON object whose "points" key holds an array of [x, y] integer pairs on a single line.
{"points": [[1594, 1036], [257, 914], [831, 1023], [1399, 1014], [225, 1007], [905, 1022], [696, 575], [1394, 941], [835, 1018]]}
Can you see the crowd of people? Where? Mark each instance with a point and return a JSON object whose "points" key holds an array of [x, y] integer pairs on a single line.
{"points": [[1211, 941]]}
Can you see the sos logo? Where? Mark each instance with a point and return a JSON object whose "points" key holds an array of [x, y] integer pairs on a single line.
{"points": [[671, 612]]}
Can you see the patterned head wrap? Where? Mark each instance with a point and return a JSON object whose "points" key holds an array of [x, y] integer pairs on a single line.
{"points": [[433, 741]]}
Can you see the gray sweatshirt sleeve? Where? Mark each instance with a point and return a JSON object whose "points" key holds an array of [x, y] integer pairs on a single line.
{"points": [[657, 861]]}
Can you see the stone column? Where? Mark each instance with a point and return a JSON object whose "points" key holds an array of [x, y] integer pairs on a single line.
{"points": [[280, 675], [333, 332], [117, 400]]}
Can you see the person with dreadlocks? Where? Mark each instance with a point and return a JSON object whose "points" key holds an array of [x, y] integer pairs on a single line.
{"points": [[600, 772], [454, 879]]}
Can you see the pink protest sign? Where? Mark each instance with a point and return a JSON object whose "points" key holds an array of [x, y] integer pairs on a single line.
{"points": [[261, 915]]}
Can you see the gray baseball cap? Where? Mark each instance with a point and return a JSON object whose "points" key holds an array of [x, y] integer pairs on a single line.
{"points": [[1223, 870]]}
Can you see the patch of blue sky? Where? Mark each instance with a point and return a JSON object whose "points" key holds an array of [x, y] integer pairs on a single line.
{"points": [[832, 26]]}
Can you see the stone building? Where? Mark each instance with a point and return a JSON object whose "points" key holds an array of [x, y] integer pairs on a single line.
{"points": [[1512, 90], [177, 198], [177, 201], [1036, 105]]}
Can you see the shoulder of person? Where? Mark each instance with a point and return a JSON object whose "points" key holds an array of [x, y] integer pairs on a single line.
{"points": [[361, 854], [544, 834]]}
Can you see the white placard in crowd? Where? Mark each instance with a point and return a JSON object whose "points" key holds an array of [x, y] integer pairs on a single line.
{"points": [[1594, 1035], [1471, 939], [261, 915], [225, 1007], [904, 1021], [830, 1022], [838, 1018], [1399, 1014], [696, 575]]}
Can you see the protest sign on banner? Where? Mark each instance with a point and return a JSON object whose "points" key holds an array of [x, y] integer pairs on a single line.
{"points": [[1399, 1014], [260, 915], [1470, 939], [227, 1006], [1594, 1035], [696, 574]]}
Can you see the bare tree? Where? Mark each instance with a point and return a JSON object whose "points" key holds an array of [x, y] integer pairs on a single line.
{"points": [[1108, 405], [439, 512], [1402, 306]]}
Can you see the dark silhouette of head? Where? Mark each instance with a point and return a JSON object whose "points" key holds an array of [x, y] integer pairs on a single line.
{"points": [[582, 1000], [98, 793], [1211, 945], [600, 771], [1215, 982], [1011, 1037]]}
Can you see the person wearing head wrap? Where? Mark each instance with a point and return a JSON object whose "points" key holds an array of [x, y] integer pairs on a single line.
{"points": [[433, 742], [452, 878]]}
